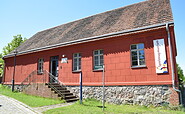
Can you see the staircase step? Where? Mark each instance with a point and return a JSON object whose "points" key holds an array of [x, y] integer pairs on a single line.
{"points": [[56, 85], [69, 97], [64, 91], [58, 88], [67, 94], [72, 100], [52, 84]]}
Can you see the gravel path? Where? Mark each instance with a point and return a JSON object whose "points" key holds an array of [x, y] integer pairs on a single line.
{"points": [[11, 106]]}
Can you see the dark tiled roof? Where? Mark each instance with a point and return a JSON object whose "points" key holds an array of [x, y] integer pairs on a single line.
{"points": [[142, 14]]}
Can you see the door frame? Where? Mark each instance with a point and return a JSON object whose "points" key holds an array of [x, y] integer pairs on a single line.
{"points": [[50, 66]]}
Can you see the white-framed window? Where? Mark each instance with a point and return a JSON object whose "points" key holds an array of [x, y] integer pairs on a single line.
{"points": [[76, 62], [137, 55], [98, 59], [40, 65]]}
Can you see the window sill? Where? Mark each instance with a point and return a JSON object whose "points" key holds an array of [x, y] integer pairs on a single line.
{"points": [[97, 70], [142, 66], [76, 71]]}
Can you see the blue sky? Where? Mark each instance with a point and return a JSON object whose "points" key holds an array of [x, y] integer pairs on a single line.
{"points": [[27, 17]]}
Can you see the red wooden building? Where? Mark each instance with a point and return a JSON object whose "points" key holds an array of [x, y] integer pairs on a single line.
{"points": [[135, 43]]}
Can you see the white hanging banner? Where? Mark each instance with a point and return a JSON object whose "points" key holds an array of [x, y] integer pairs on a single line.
{"points": [[160, 56]]}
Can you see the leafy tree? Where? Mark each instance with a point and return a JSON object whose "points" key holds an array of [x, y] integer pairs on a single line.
{"points": [[180, 75], [17, 41], [1, 64], [13, 44]]}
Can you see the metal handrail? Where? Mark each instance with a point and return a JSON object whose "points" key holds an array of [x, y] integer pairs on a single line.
{"points": [[27, 77], [27, 81], [55, 80], [34, 76], [52, 77], [56, 90]]}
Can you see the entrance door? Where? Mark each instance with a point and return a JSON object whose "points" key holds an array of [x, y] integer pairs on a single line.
{"points": [[54, 69]]}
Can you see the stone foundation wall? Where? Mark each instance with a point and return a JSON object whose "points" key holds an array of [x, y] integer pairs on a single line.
{"points": [[18, 88], [36, 90], [40, 90], [156, 95], [141, 95]]}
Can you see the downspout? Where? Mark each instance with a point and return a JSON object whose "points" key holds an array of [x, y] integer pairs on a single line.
{"points": [[13, 77], [172, 63]]}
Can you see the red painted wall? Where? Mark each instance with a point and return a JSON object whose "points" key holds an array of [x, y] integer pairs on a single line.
{"points": [[117, 61]]}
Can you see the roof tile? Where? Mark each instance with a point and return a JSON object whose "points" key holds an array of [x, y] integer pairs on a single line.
{"points": [[137, 15]]}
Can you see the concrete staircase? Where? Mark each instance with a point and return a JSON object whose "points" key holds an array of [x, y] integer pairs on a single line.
{"points": [[62, 92]]}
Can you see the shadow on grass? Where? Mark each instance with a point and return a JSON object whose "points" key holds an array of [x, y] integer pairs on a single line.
{"points": [[101, 107], [93, 106], [88, 105]]}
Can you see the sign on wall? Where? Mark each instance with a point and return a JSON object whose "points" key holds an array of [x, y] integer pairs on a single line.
{"points": [[64, 60], [160, 56]]}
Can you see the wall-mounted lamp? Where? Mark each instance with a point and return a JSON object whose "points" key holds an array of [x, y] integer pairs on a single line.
{"points": [[63, 55]]}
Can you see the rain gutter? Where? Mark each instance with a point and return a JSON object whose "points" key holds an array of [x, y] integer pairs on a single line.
{"points": [[94, 38]]}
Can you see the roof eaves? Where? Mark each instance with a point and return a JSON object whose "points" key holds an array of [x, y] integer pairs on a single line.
{"points": [[89, 39]]}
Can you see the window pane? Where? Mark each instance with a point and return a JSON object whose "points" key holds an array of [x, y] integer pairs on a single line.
{"points": [[101, 51], [96, 52], [40, 65], [96, 58], [101, 61], [142, 62], [141, 52], [133, 47], [79, 64], [141, 57], [140, 46], [75, 68], [134, 53], [75, 64], [75, 55], [96, 63], [134, 58], [77, 61], [101, 57], [134, 63]]}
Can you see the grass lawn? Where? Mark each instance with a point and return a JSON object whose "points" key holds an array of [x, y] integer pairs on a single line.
{"points": [[32, 101], [91, 106]]}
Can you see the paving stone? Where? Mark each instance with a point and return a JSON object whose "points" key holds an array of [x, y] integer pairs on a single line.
{"points": [[11, 106]]}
